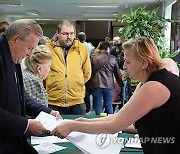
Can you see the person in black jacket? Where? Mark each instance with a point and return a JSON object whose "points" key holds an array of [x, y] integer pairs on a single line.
{"points": [[20, 38], [117, 51]]}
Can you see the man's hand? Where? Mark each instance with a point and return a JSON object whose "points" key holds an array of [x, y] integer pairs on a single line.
{"points": [[62, 130], [56, 114], [36, 128]]}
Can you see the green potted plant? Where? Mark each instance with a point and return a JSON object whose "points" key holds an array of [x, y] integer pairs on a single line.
{"points": [[145, 23]]}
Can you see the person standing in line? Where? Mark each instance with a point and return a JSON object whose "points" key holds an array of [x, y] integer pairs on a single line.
{"points": [[82, 38], [171, 66], [117, 92], [107, 39], [20, 38], [104, 68], [70, 70], [154, 107], [3, 26], [117, 50], [37, 69]]}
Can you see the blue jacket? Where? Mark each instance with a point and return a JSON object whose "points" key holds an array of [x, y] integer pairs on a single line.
{"points": [[13, 104]]}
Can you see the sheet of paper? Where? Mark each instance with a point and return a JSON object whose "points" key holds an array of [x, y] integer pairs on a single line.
{"points": [[48, 121], [83, 140], [84, 151], [50, 139], [133, 143], [46, 148]]}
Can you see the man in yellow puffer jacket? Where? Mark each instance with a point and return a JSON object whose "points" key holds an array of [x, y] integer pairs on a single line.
{"points": [[70, 70]]}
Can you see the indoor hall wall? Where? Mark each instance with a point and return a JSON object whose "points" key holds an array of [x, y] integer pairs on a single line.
{"points": [[4, 18], [96, 31], [49, 29]]}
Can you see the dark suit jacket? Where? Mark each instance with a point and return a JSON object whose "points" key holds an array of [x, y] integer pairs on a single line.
{"points": [[13, 104]]}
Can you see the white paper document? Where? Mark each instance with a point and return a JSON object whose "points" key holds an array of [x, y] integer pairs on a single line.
{"points": [[93, 143], [48, 121], [46, 148], [133, 143], [50, 139], [88, 143]]}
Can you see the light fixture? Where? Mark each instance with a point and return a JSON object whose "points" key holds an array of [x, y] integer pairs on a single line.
{"points": [[99, 14], [95, 19], [100, 6], [97, 5], [33, 12], [47, 19], [10, 3]]}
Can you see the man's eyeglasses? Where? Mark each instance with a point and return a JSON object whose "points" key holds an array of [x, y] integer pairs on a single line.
{"points": [[67, 34]]}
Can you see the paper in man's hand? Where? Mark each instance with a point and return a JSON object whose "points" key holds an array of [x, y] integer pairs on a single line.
{"points": [[48, 121]]}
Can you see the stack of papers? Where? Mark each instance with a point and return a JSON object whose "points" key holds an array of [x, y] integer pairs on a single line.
{"points": [[133, 142], [88, 143], [93, 143], [50, 139], [46, 148], [133, 145]]}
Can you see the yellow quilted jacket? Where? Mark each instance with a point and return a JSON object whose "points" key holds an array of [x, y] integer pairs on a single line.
{"points": [[65, 83]]}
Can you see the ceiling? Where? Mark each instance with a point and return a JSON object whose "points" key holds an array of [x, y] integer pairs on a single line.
{"points": [[55, 10], [70, 9]]}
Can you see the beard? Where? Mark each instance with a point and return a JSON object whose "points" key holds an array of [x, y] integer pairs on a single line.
{"points": [[68, 43]]}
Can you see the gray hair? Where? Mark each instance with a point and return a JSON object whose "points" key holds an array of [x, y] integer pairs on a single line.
{"points": [[40, 55], [23, 27], [64, 22], [43, 40]]}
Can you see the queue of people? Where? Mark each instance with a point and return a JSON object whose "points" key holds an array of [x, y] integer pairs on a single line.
{"points": [[58, 74]]}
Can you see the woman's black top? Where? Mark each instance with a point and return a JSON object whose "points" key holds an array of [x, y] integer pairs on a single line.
{"points": [[159, 130]]}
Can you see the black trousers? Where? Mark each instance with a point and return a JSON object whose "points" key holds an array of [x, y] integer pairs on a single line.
{"points": [[87, 100], [78, 109]]}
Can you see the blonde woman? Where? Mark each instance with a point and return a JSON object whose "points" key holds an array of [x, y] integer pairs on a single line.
{"points": [[154, 106], [37, 69]]}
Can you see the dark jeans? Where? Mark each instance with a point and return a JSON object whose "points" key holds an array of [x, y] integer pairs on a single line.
{"points": [[102, 98], [78, 109]]}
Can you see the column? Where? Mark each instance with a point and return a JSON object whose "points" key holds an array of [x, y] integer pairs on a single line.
{"points": [[167, 15]]}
